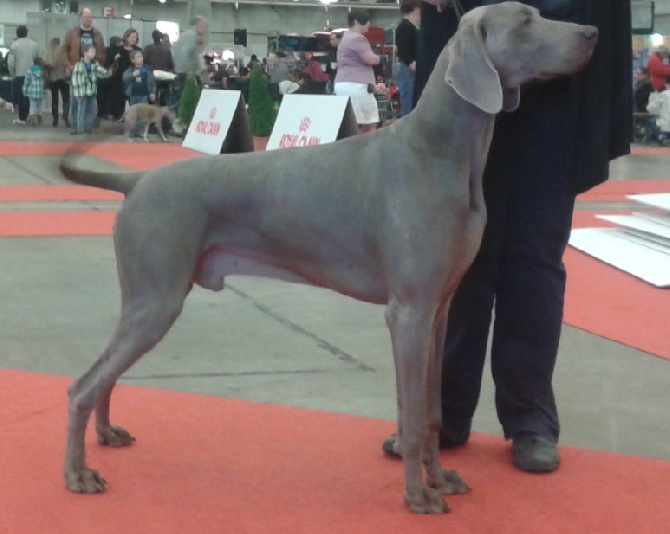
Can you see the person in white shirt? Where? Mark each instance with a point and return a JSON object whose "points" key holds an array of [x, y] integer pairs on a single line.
{"points": [[659, 104]]}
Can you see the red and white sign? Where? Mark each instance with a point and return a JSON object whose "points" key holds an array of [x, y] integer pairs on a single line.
{"points": [[107, 11], [219, 124], [309, 120]]}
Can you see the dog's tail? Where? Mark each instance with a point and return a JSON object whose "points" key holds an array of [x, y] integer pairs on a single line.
{"points": [[121, 182]]}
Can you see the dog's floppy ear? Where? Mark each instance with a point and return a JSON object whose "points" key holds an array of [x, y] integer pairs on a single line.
{"points": [[470, 71]]}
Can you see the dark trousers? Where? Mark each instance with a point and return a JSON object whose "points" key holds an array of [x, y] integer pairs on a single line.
{"points": [[103, 98], [62, 87], [19, 100], [518, 275], [116, 97]]}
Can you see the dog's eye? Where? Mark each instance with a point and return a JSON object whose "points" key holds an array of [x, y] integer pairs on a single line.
{"points": [[527, 21]]}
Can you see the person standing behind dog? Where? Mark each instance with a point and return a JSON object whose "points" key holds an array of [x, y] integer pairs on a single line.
{"points": [[355, 77], [659, 104], [33, 88], [57, 82], [122, 62], [406, 36], [85, 76], [558, 143], [187, 53], [158, 56], [22, 52], [139, 84]]}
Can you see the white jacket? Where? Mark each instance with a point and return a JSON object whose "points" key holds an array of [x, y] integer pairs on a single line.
{"points": [[659, 104]]}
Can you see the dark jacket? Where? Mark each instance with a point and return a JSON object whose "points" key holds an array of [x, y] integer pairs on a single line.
{"points": [[158, 57], [71, 42], [597, 122]]}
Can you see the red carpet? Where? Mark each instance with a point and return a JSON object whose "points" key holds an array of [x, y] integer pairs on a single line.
{"points": [[208, 464], [39, 193], [650, 151], [55, 223], [612, 304], [136, 156]]}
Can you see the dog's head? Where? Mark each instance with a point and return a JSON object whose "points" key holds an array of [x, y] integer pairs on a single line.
{"points": [[497, 48]]}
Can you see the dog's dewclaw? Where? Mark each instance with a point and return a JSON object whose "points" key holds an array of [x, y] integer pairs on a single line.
{"points": [[115, 436], [453, 484]]}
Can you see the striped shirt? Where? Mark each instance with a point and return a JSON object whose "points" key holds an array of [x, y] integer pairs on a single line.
{"points": [[85, 78]]}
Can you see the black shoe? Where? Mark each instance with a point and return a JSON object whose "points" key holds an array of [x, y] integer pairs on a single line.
{"points": [[75, 132], [533, 453], [67, 123], [54, 123], [451, 441]]}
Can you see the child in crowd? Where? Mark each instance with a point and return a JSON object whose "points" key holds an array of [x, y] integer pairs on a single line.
{"points": [[139, 84], [33, 89], [659, 104], [84, 106]]}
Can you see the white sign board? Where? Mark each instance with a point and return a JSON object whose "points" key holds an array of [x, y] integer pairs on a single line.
{"points": [[220, 124], [640, 246], [308, 120], [658, 200], [626, 251]]}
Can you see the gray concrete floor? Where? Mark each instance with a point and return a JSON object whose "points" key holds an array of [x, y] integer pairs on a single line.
{"points": [[287, 344]]}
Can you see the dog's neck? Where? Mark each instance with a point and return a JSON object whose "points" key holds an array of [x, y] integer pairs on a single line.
{"points": [[441, 116]]}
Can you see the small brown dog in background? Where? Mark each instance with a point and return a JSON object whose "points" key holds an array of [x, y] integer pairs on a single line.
{"points": [[149, 115]]}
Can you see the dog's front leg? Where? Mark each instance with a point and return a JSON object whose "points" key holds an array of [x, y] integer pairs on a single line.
{"points": [[411, 327], [447, 481], [159, 127]]}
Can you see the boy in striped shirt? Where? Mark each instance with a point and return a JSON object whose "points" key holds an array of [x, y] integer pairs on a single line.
{"points": [[84, 107]]}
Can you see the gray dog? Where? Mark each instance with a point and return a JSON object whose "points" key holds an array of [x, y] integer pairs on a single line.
{"points": [[397, 225], [149, 115]]}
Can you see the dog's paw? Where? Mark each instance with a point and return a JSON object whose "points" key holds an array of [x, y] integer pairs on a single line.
{"points": [[450, 483], [426, 501], [86, 480], [114, 436]]}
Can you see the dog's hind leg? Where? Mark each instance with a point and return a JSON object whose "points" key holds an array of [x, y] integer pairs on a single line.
{"points": [[138, 331], [153, 289]]}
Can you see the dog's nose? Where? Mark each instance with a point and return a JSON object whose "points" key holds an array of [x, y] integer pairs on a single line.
{"points": [[590, 32]]}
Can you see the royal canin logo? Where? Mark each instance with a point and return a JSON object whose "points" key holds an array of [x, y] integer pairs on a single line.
{"points": [[304, 124]]}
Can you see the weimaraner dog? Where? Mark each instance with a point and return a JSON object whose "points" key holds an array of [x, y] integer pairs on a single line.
{"points": [[398, 224]]}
